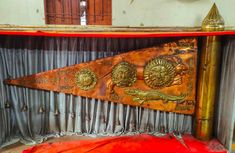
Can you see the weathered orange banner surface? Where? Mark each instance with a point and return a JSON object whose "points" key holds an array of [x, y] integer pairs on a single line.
{"points": [[161, 78]]}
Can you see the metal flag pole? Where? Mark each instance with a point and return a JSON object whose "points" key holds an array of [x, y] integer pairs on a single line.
{"points": [[208, 75]]}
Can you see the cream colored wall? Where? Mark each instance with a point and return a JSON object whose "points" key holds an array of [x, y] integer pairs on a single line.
{"points": [[169, 12], [22, 12], [127, 12]]}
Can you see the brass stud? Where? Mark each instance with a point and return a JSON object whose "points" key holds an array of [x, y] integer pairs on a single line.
{"points": [[7, 105], [72, 115], [57, 112], [41, 110], [24, 108]]}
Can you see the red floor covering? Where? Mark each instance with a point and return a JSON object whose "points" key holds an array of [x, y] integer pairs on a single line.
{"points": [[142, 143]]}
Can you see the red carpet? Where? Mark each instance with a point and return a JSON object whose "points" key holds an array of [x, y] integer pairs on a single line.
{"points": [[131, 144]]}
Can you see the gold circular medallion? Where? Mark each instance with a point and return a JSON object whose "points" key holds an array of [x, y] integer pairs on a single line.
{"points": [[86, 79], [159, 73], [124, 74]]}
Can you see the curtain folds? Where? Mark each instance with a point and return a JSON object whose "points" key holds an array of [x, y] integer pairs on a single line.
{"points": [[225, 116], [31, 115]]}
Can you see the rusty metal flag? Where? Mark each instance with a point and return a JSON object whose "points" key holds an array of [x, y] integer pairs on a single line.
{"points": [[160, 78]]}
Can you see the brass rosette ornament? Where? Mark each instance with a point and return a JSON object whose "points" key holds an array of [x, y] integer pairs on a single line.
{"points": [[86, 79], [159, 73], [124, 74]]}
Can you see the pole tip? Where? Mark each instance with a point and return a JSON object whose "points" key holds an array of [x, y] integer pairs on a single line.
{"points": [[213, 21]]}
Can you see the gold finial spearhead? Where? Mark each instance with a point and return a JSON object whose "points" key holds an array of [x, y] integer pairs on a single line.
{"points": [[213, 21]]}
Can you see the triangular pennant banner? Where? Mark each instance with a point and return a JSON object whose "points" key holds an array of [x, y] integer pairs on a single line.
{"points": [[160, 78]]}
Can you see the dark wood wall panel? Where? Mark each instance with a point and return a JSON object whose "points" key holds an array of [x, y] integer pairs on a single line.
{"points": [[62, 11], [75, 11], [58, 11], [49, 12], [99, 12]]}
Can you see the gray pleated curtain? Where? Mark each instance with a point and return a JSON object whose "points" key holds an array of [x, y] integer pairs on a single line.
{"points": [[225, 113], [29, 115]]}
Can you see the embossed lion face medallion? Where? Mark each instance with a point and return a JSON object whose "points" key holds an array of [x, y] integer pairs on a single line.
{"points": [[159, 73], [124, 74], [86, 79]]}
